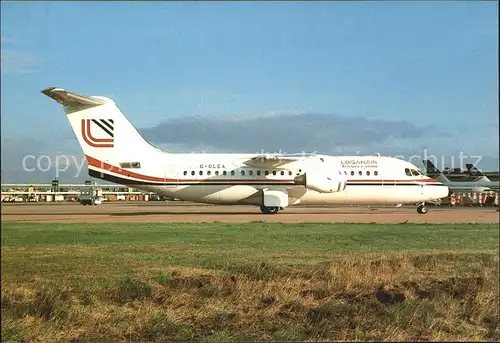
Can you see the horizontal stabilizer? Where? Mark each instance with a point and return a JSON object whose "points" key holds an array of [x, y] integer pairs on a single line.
{"points": [[72, 100]]}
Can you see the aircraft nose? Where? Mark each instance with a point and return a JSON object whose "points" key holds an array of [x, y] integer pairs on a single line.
{"points": [[449, 191]]}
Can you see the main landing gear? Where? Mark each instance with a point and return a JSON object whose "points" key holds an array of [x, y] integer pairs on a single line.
{"points": [[269, 210], [422, 209]]}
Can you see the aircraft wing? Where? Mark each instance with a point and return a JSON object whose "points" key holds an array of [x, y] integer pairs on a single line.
{"points": [[272, 160]]}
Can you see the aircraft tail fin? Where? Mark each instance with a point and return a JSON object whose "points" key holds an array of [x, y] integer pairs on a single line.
{"points": [[431, 168], [434, 172], [473, 171], [103, 132]]}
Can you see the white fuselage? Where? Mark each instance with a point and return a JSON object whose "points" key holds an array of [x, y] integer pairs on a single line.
{"points": [[226, 179]]}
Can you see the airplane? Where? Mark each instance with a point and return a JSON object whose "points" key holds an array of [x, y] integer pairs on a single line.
{"points": [[480, 185], [116, 152]]}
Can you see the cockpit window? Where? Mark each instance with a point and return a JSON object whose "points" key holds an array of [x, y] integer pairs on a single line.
{"points": [[407, 172], [415, 172]]}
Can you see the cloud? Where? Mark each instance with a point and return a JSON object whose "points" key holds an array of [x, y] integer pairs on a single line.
{"points": [[28, 160], [18, 62], [324, 133], [291, 133]]}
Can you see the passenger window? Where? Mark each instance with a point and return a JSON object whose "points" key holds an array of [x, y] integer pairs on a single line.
{"points": [[185, 172], [258, 172], [216, 172], [242, 172], [368, 172], [352, 172], [250, 172], [282, 172], [192, 173], [224, 173], [232, 172], [375, 173], [360, 173], [201, 172], [407, 172], [267, 172], [290, 172], [345, 172], [209, 172], [274, 172]]}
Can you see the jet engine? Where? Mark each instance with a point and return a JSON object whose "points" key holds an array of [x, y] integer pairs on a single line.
{"points": [[323, 182]]}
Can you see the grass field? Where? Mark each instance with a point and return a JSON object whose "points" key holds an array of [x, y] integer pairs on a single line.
{"points": [[254, 281]]}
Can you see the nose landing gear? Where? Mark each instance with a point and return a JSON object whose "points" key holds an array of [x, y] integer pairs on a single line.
{"points": [[422, 209]]}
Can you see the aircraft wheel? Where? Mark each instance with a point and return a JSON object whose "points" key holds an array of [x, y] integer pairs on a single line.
{"points": [[422, 209], [269, 210]]}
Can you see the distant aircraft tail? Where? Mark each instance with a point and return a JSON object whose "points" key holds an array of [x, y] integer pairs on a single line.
{"points": [[434, 172], [104, 133], [473, 171]]}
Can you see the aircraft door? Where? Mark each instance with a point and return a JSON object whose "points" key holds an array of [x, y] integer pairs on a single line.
{"points": [[171, 176], [389, 190]]}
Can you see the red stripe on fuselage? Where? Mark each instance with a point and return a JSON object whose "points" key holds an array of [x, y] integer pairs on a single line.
{"points": [[106, 166]]}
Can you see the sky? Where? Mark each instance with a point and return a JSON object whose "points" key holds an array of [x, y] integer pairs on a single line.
{"points": [[395, 78]]}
